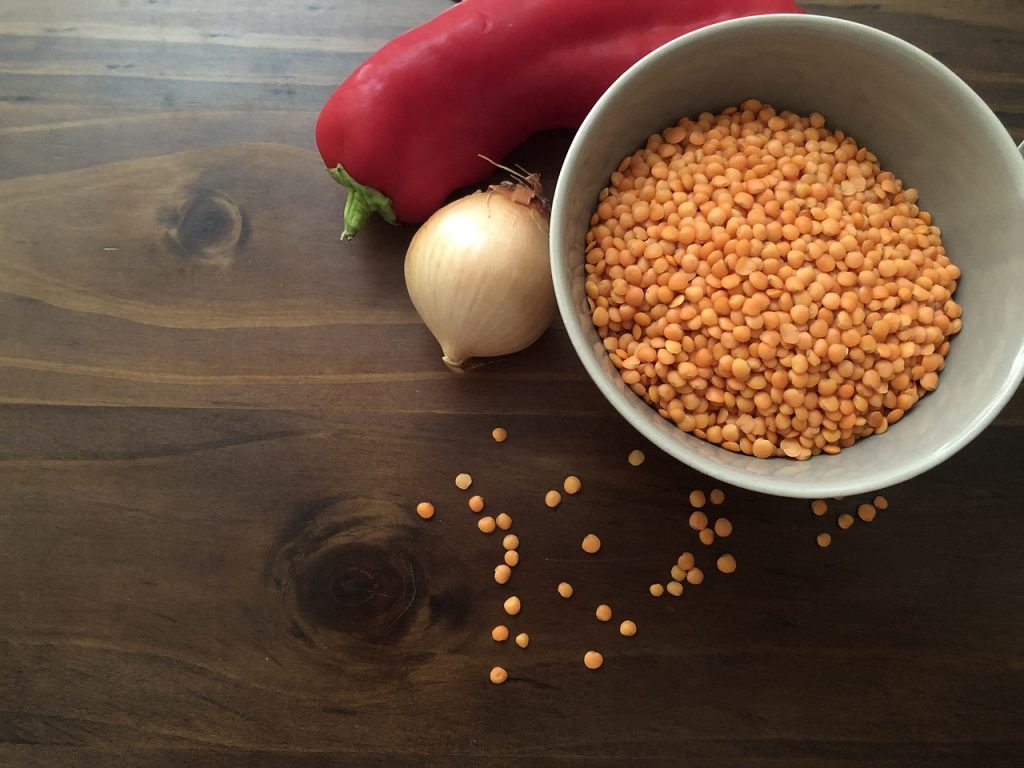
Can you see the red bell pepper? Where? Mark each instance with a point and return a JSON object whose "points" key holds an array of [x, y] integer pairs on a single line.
{"points": [[409, 125]]}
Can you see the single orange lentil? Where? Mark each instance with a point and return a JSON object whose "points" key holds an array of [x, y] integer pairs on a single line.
{"points": [[866, 512], [591, 544], [499, 633], [824, 539], [603, 613], [723, 527], [425, 510], [686, 561], [636, 458], [511, 558], [486, 524], [476, 503], [698, 520], [502, 573], [593, 660], [694, 576], [513, 605], [522, 639], [657, 590], [819, 507], [726, 564], [572, 485], [498, 675], [677, 573], [845, 520], [503, 521], [627, 628], [500, 434], [565, 589], [881, 502], [763, 449], [510, 541], [697, 499], [674, 588], [463, 481], [717, 496], [552, 498], [706, 536]]}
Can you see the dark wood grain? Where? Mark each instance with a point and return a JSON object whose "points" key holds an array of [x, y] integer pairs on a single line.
{"points": [[216, 420]]}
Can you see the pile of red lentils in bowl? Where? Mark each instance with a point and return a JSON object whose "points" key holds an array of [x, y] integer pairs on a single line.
{"points": [[761, 281]]}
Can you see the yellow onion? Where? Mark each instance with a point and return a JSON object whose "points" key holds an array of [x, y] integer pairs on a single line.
{"points": [[479, 275]]}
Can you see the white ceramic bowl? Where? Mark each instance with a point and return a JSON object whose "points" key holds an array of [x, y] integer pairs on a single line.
{"points": [[923, 123]]}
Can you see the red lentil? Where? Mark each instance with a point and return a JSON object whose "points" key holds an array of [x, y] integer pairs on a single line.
{"points": [[808, 301]]}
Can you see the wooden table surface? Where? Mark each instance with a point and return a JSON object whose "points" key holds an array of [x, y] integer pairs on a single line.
{"points": [[216, 420]]}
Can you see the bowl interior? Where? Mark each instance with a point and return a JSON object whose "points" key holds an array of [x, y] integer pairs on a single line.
{"points": [[923, 123]]}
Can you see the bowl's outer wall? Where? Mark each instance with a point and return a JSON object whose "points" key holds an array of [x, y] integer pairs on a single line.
{"points": [[923, 123]]}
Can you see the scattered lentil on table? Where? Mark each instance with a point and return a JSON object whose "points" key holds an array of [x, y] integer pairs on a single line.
{"points": [[500, 434], [636, 458], [603, 612], [565, 589], [502, 573], [866, 512], [463, 481], [552, 498], [572, 485], [499, 633], [425, 510], [476, 503], [591, 544], [593, 660]]}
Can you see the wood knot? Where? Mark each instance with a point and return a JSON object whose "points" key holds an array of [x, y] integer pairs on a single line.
{"points": [[208, 227], [362, 589], [347, 572]]}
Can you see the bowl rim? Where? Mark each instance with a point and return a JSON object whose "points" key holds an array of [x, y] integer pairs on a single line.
{"points": [[622, 400]]}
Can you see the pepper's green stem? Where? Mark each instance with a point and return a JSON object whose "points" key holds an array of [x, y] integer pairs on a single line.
{"points": [[361, 203]]}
